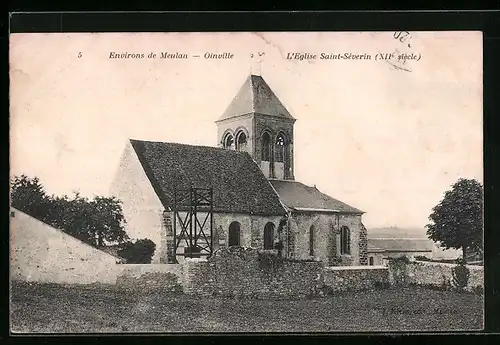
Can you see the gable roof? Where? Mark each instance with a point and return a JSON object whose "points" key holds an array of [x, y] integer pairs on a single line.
{"points": [[255, 96], [301, 197], [239, 186]]}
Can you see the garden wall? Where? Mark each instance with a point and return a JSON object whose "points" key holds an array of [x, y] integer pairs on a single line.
{"points": [[439, 274], [248, 272], [42, 253], [344, 278], [150, 277]]}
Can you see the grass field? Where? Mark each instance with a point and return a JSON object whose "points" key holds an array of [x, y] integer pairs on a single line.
{"points": [[57, 309]]}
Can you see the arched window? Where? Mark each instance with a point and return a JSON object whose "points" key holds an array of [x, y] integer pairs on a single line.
{"points": [[266, 147], [228, 141], [311, 240], [269, 236], [280, 148], [241, 141], [234, 234], [345, 240]]}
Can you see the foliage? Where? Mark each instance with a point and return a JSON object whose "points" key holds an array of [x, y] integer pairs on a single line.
{"points": [[95, 221], [138, 252], [28, 195], [422, 258], [460, 274], [457, 221]]}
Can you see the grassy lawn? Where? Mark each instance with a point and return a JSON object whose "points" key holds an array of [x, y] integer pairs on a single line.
{"points": [[57, 309]]}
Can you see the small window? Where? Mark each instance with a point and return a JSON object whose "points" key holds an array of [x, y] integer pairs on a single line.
{"points": [[370, 261], [269, 236], [311, 240], [228, 142], [280, 148], [241, 141], [266, 147], [234, 234], [345, 240]]}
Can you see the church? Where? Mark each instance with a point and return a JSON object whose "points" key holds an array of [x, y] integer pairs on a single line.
{"points": [[255, 200]]}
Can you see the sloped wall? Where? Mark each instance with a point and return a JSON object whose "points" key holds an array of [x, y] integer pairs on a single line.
{"points": [[41, 253]]}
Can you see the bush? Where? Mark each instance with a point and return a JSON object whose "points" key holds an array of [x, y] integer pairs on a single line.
{"points": [[139, 252], [460, 275]]}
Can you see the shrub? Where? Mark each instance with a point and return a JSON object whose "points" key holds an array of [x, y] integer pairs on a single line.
{"points": [[139, 252], [460, 275]]}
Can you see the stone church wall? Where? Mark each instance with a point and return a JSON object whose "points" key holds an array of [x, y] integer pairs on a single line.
{"points": [[141, 206], [327, 238]]}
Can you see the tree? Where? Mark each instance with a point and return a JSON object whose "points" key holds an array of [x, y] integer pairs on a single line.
{"points": [[457, 221], [28, 195], [93, 221]]}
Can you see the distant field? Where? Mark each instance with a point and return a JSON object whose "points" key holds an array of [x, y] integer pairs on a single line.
{"points": [[44, 308], [397, 233]]}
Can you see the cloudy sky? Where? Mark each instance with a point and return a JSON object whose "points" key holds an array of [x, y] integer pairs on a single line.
{"points": [[386, 140]]}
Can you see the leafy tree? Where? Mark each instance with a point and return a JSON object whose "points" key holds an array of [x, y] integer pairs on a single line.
{"points": [[28, 195], [138, 252], [96, 222], [457, 221]]}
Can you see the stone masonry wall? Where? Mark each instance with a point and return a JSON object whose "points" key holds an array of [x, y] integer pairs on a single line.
{"points": [[355, 277], [239, 271], [438, 274]]}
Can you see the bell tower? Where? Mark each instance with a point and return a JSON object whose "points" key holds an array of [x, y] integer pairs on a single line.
{"points": [[258, 123]]}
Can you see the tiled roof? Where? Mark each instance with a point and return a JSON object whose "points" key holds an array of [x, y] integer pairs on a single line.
{"points": [[401, 245], [255, 96], [238, 184], [300, 196]]}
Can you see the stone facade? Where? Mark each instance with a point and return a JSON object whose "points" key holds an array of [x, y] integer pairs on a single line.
{"points": [[327, 237], [142, 209]]}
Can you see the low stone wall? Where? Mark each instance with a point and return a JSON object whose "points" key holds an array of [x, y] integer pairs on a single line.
{"points": [[150, 278], [355, 278], [248, 272], [439, 274]]}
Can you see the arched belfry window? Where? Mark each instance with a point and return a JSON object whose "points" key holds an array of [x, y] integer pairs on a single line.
{"points": [[241, 141], [269, 236], [345, 240], [311, 240], [266, 147], [228, 141], [234, 234], [280, 148]]}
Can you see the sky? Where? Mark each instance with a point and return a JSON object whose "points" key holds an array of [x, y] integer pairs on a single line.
{"points": [[386, 137]]}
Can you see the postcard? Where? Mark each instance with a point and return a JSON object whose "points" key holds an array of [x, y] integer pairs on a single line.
{"points": [[253, 182]]}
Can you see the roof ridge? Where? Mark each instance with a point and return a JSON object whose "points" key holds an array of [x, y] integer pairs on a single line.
{"points": [[252, 96]]}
